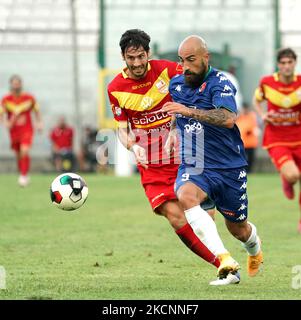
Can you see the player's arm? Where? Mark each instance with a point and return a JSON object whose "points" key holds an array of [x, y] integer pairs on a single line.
{"points": [[4, 118], [260, 107], [38, 116], [221, 117], [171, 141], [128, 140], [124, 132]]}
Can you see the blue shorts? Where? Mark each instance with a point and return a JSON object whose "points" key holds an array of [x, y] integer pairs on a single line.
{"points": [[226, 188]]}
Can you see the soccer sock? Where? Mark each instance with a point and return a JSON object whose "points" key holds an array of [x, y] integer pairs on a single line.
{"points": [[187, 235], [205, 228], [24, 164], [252, 245]]}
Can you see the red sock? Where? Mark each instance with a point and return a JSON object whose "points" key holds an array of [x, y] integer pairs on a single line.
{"points": [[190, 239], [23, 165]]}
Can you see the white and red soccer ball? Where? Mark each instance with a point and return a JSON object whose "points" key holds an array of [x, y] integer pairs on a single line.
{"points": [[68, 191]]}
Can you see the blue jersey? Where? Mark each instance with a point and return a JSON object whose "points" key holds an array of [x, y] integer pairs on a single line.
{"points": [[210, 146]]}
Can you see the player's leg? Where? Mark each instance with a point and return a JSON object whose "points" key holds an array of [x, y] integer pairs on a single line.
{"points": [[297, 159], [290, 175], [174, 213], [246, 233], [282, 157], [24, 164], [232, 202], [190, 196], [158, 182]]}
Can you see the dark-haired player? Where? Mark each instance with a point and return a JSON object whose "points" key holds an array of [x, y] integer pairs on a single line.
{"points": [[137, 95], [282, 132], [18, 106]]}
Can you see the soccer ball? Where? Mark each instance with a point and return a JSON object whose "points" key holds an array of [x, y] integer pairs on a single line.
{"points": [[68, 191]]}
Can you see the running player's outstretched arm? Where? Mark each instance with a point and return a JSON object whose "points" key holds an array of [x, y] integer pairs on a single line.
{"points": [[219, 117]]}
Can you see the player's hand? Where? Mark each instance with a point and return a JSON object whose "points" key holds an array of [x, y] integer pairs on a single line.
{"points": [[268, 117], [174, 107], [170, 144], [40, 126], [140, 155]]}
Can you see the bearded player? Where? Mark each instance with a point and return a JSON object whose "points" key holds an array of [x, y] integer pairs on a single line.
{"points": [[137, 95], [282, 119], [15, 113]]}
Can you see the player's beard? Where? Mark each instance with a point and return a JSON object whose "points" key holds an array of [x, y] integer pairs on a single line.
{"points": [[195, 79], [141, 73]]}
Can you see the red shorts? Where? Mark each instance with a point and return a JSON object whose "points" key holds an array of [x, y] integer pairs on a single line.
{"points": [[158, 182], [281, 154], [18, 139]]}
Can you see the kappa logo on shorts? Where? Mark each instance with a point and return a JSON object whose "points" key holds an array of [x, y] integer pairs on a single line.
{"points": [[243, 197], [243, 186], [241, 217], [242, 207], [242, 174]]}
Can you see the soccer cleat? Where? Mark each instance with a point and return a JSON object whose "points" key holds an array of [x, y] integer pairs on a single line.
{"points": [[231, 278], [228, 264], [287, 188], [23, 181], [254, 264]]}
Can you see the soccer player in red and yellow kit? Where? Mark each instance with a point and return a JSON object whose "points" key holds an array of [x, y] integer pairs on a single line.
{"points": [[18, 106], [282, 132], [137, 95]]}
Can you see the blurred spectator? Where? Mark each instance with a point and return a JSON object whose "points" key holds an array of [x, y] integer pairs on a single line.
{"points": [[249, 130], [87, 155], [61, 138]]}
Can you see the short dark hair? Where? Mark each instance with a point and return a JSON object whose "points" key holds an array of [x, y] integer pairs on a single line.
{"points": [[134, 38], [286, 52]]}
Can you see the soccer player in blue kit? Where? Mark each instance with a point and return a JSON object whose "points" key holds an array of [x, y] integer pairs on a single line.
{"points": [[212, 156]]}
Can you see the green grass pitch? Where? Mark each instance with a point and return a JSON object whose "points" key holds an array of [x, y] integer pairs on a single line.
{"points": [[114, 247]]}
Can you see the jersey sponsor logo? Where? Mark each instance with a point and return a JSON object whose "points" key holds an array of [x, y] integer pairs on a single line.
{"points": [[149, 118], [226, 94], [193, 127], [142, 85], [162, 86], [286, 118]]}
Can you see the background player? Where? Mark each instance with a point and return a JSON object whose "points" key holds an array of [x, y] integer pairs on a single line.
{"points": [[137, 95], [282, 132], [205, 109], [18, 106]]}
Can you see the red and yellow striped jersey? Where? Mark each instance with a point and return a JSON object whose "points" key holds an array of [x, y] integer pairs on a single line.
{"points": [[139, 103], [19, 108], [284, 101]]}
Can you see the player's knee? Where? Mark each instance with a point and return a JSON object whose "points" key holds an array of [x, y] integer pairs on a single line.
{"points": [[188, 200], [174, 214], [292, 177]]}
